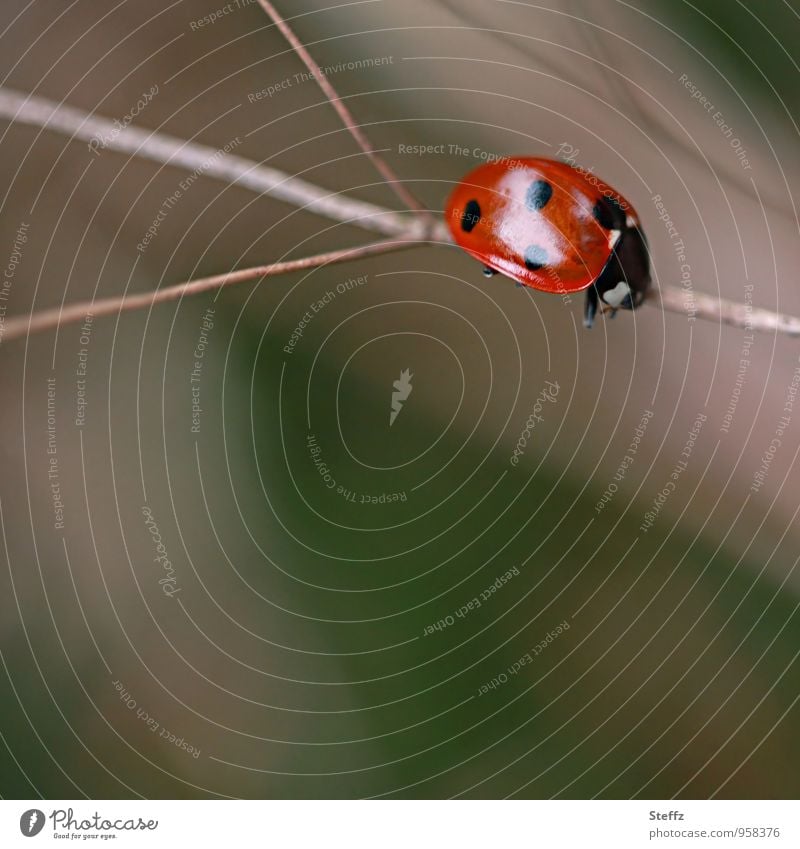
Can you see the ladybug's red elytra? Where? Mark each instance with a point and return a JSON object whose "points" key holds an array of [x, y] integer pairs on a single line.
{"points": [[554, 227]]}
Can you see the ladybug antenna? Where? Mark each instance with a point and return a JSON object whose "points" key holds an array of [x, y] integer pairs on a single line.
{"points": [[383, 167]]}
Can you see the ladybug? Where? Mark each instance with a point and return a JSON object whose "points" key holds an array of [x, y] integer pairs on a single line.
{"points": [[555, 227]]}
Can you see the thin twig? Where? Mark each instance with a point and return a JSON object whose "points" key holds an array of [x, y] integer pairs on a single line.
{"points": [[727, 312], [383, 167], [49, 319], [74, 123], [104, 134]]}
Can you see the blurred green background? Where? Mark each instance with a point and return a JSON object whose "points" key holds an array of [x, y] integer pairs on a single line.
{"points": [[298, 656]]}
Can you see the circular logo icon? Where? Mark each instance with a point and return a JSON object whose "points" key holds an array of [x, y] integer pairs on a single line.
{"points": [[31, 822]]}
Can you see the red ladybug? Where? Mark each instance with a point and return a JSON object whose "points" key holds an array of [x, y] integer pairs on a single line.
{"points": [[554, 227]]}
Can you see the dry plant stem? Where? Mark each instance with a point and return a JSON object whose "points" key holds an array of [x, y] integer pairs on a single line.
{"points": [[76, 124], [52, 318], [383, 167], [727, 312]]}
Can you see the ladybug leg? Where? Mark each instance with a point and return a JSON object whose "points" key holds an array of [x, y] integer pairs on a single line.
{"points": [[590, 306], [488, 272]]}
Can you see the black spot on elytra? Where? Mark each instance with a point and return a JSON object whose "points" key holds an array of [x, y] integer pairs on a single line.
{"points": [[535, 257], [538, 194], [609, 214], [471, 216]]}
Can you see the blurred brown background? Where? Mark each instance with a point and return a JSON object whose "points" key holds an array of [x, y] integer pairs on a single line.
{"points": [[295, 656]]}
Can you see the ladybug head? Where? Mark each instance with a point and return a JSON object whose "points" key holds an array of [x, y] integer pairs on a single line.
{"points": [[625, 280]]}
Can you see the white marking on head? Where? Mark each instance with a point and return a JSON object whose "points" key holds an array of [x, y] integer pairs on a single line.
{"points": [[614, 297], [630, 221], [613, 238]]}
